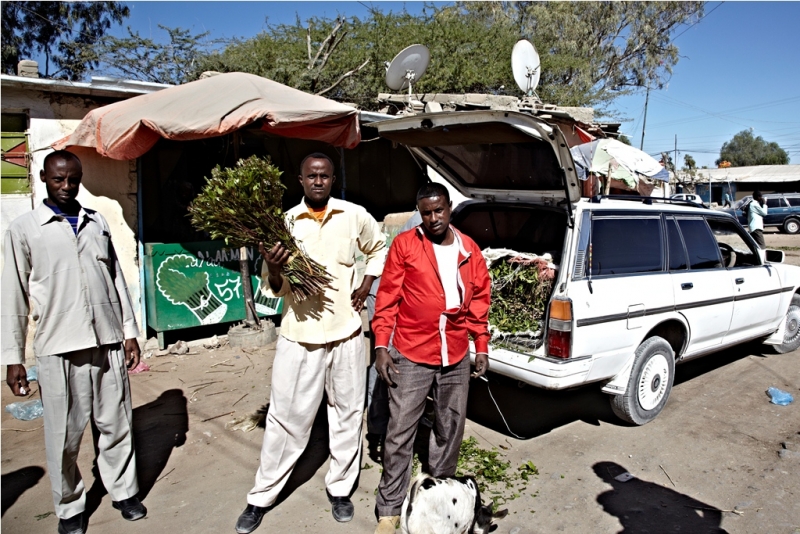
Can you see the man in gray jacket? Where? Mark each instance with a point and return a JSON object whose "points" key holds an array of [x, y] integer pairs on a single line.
{"points": [[60, 265]]}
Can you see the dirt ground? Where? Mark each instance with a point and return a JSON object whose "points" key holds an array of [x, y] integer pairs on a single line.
{"points": [[711, 462]]}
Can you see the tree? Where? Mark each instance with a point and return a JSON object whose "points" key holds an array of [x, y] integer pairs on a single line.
{"points": [[591, 52], [141, 58], [745, 150], [65, 32]]}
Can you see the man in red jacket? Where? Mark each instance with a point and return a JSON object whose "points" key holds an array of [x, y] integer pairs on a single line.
{"points": [[433, 296]]}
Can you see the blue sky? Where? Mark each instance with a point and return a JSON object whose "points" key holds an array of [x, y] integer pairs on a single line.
{"points": [[739, 67]]}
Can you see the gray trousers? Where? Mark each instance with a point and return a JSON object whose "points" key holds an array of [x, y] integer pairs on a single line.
{"points": [[90, 383], [450, 387]]}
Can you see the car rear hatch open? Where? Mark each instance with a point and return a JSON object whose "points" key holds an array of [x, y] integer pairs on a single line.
{"points": [[492, 155]]}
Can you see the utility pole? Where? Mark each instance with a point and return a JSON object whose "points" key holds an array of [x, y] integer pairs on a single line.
{"points": [[675, 159], [644, 122]]}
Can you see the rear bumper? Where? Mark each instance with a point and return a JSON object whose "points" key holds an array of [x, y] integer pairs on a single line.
{"points": [[541, 372]]}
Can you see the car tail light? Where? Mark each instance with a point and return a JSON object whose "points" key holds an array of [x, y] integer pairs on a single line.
{"points": [[559, 329]]}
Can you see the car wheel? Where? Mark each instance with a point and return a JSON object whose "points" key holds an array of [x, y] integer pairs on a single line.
{"points": [[791, 226], [649, 385], [791, 336]]}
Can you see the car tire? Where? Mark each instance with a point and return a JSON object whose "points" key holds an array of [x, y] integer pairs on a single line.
{"points": [[791, 336], [791, 226], [650, 383]]}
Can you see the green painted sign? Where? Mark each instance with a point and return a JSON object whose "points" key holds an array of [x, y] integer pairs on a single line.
{"points": [[193, 284]]}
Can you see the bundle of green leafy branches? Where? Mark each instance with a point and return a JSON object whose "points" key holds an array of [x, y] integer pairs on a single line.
{"points": [[493, 474], [242, 205], [520, 290]]}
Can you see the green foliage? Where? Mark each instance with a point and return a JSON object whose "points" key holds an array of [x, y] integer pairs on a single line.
{"points": [[494, 475], [745, 149], [141, 58], [519, 296], [591, 51], [65, 32], [242, 205]]}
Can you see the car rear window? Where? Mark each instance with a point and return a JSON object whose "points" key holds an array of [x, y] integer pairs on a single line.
{"points": [[626, 245]]}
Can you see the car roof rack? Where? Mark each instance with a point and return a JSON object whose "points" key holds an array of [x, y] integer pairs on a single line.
{"points": [[646, 200]]}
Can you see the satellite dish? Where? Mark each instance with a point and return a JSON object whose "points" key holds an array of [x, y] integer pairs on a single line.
{"points": [[407, 67], [526, 66]]}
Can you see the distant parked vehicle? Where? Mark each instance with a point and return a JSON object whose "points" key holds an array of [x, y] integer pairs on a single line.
{"points": [[688, 197], [783, 211]]}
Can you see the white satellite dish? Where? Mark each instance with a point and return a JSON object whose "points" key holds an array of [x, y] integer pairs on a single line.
{"points": [[526, 66], [407, 67]]}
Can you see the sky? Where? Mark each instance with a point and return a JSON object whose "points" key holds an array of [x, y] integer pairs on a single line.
{"points": [[739, 67]]}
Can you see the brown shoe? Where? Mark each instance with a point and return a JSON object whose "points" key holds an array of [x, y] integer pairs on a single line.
{"points": [[387, 524]]}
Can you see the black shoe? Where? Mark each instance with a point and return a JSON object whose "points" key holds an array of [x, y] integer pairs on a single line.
{"points": [[250, 519], [73, 525], [341, 508], [131, 508]]}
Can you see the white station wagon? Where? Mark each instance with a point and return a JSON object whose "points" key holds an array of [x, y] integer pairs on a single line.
{"points": [[642, 283]]}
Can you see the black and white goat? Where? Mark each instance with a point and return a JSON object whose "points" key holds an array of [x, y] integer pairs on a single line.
{"points": [[446, 506]]}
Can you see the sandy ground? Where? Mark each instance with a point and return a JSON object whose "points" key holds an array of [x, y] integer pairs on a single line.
{"points": [[715, 448]]}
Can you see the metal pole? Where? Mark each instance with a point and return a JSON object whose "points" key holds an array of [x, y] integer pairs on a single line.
{"points": [[675, 160], [644, 122]]}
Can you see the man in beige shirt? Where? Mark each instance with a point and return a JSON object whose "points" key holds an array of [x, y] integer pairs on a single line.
{"points": [[321, 346], [60, 265]]}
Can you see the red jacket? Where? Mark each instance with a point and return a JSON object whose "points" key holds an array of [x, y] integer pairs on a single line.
{"points": [[411, 303]]}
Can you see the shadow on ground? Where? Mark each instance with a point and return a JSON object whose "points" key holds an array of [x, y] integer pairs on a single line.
{"points": [[15, 483], [158, 427], [647, 507], [530, 411]]}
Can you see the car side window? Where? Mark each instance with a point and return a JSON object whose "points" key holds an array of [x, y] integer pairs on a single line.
{"points": [[626, 245], [794, 201], [700, 244], [775, 203], [675, 248], [736, 249]]}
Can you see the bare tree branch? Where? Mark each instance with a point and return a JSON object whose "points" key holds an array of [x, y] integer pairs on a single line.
{"points": [[308, 42], [331, 35], [343, 76], [331, 49]]}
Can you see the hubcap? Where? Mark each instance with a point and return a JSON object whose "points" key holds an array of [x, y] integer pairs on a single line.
{"points": [[792, 324], [792, 227], [653, 382]]}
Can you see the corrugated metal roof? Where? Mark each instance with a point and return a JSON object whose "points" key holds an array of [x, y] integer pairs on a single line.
{"points": [[99, 86], [757, 173]]}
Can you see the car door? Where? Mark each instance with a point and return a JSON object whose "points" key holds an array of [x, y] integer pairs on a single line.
{"points": [[702, 289], [777, 210], [623, 286], [757, 286]]}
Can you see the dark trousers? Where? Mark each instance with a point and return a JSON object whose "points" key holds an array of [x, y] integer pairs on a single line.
{"points": [[450, 386], [758, 235]]}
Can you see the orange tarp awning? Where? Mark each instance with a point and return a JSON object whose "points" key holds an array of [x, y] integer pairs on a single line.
{"points": [[211, 107]]}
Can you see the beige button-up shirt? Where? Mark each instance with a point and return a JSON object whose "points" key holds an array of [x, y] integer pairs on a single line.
{"points": [[72, 284], [345, 230]]}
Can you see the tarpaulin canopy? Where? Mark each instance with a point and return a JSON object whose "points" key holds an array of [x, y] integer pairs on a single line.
{"points": [[625, 162], [211, 107]]}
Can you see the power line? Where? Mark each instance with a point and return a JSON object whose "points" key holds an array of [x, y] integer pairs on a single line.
{"points": [[698, 22]]}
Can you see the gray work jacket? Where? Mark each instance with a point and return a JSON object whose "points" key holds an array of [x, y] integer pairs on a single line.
{"points": [[73, 285]]}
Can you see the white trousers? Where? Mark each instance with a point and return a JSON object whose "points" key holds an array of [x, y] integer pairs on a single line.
{"points": [[300, 375], [74, 387]]}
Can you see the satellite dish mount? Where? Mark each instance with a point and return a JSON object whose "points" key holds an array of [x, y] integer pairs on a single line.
{"points": [[407, 68]]}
